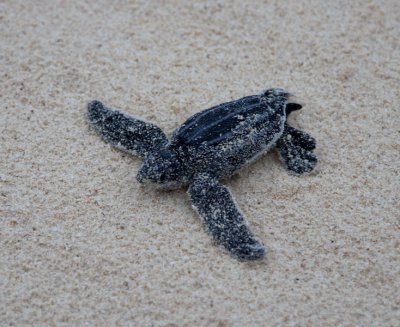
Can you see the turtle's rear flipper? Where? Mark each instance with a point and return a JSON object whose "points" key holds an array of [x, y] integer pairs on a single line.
{"points": [[295, 149], [223, 219], [300, 138], [125, 132], [290, 107]]}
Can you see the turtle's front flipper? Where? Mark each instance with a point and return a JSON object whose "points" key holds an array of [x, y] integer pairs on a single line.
{"points": [[124, 132], [295, 149], [223, 219]]}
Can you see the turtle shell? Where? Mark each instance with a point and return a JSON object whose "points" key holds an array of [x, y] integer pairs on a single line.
{"points": [[230, 121]]}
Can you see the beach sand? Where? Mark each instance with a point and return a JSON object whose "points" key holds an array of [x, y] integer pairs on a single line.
{"points": [[82, 243]]}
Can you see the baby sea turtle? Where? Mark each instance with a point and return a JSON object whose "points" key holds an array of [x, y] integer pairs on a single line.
{"points": [[209, 147]]}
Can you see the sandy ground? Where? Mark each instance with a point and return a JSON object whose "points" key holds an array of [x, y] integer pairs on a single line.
{"points": [[83, 244]]}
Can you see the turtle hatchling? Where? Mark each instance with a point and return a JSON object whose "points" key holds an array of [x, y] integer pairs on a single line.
{"points": [[209, 147]]}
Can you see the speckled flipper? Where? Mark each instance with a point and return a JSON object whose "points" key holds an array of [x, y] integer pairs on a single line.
{"points": [[300, 138], [223, 219], [295, 149], [125, 132]]}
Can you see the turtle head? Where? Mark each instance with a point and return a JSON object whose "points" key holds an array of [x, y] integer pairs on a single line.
{"points": [[162, 167]]}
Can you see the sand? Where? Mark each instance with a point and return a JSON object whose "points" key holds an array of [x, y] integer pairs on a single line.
{"points": [[83, 244]]}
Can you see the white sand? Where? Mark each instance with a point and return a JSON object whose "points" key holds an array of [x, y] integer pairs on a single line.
{"points": [[83, 244]]}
